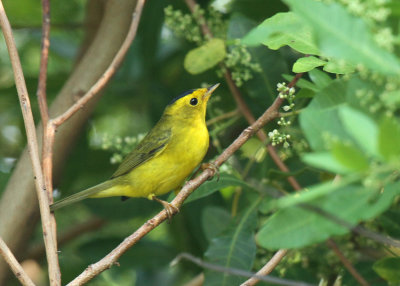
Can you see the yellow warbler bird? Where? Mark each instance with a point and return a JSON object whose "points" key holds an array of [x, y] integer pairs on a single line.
{"points": [[164, 158]]}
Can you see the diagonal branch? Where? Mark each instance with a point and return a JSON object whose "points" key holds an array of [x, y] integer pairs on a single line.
{"points": [[51, 251], [267, 268], [103, 80], [239, 272], [14, 265], [111, 258]]}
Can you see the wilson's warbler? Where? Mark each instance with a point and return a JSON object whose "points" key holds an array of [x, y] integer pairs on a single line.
{"points": [[164, 158]]}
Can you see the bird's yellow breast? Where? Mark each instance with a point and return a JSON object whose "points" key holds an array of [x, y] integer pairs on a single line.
{"points": [[168, 170]]}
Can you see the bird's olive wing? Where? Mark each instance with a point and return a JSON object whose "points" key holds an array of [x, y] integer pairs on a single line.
{"points": [[151, 146]]}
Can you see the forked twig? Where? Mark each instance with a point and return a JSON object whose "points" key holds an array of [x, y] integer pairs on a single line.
{"points": [[14, 265]]}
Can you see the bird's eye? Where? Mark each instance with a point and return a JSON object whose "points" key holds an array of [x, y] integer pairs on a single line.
{"points": [[193, 101]]}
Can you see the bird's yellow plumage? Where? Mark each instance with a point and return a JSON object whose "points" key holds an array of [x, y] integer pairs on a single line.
{"points": [[164, 158]]}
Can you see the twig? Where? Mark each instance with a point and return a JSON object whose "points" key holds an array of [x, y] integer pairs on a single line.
{"points": [[184, 193], [346, 262], [201, 21], [237, 272], [267, 268], [110, 71], [222, 117], [14, 265], [44, 56], [48, 134], [55, 278]]}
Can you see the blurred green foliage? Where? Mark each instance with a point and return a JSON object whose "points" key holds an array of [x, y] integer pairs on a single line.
{"points": [[348, 127]]}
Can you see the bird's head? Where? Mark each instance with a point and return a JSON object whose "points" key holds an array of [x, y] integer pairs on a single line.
{"points": [[190, 104]]}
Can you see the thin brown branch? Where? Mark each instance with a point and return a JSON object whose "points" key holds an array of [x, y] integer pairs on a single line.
{"points": [[44, 56], [237, 272], [51, 251], [14, 265], [48, 134], [332, 244], [267, 268], [104, 79], [192, 5], [222, 117], [111, 258]]}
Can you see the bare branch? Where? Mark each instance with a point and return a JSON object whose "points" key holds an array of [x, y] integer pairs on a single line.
{"points": [[103, 80], [184, 193], [267, 268], [227, 115], [332, 244], [237, 272], [14, 265], [54, 273], [44, 56]]}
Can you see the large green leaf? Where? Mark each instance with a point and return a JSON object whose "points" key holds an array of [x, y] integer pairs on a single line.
{"points": [[389, 138], [307, 63], [298, 226], [320, 120], [350, 156], [325, 161], [343, 36], [389, 269], [235, 248], [214, 220], [361, 127], [280, 30], [205, 57]]}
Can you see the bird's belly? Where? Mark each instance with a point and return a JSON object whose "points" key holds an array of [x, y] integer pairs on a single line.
{"points": [[167, 171]]}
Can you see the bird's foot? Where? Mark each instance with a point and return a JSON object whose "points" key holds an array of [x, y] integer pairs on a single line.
{"points": [[214, 169], [169, 208]]}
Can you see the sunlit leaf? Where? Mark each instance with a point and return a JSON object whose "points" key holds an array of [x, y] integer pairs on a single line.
{"points": [[389, 138], [306, 64], [235, 248], [205, 57], [280, 30], [388, 269], [341, 35]]}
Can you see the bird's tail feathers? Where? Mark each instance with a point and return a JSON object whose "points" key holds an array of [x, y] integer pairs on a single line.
{"points": [[81, 195]]}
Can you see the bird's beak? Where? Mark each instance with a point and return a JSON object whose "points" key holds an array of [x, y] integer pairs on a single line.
{"points": [[210, 90]]}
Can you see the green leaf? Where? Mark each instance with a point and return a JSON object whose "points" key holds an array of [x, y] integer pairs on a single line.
{"points": [[302, 83], [298, 226], [205, 57], [361, 127], [320, 78], [338, 67], [325, 161], [389, 138], [214, 221], [307, 63], [342, 36], [235, 248], [320, 120], [280, 30], [313, 193], [389, 269], [350, 156]]}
